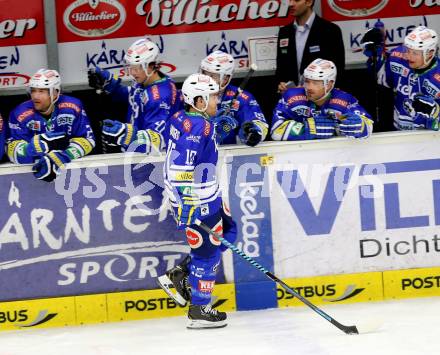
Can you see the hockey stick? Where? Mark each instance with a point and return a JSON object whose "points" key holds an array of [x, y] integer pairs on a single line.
{"points": [[346, 329], [240, 89]]}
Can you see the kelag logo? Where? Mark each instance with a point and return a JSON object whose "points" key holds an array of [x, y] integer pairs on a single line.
{"points": [[94, 18]]}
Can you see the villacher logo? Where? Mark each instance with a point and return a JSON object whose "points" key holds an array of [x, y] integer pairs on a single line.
{"points": [[94, 18], [357, 8]]}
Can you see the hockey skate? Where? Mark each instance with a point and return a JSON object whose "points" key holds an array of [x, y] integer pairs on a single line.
{"points": [[177, 278], [203, 317]]}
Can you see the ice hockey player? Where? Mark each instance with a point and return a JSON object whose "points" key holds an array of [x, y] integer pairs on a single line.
{"points": [[50, 129], [238, 120], [412, 71], [152, 99], [318, 110], [193, 190]]}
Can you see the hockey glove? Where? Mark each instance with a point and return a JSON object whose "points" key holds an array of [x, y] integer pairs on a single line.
{"points": [[41, 144], [373, 43], [319, 127], [102, 79], [149, 142], [223, 126], [250, 133], [49, 166], [187, 214], [115, 133], [352, 125], [426, 111]]}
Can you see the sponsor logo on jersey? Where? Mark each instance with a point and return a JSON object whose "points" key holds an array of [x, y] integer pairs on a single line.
{"points": [[193, 138], [357, 8], [207, 129], [155, 92], [296, 98], [244, 96], [437, 77], [24, 115], [34, 125], [206, 286], [70, 105], [399, 69], [187, 125], [431, 89], [174, 132], [398, 54], [94, 18], [204, 209], [65, 119], [339, 102]]}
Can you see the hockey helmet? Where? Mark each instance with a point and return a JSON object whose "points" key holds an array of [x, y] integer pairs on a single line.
{"points": [[198, 85]]}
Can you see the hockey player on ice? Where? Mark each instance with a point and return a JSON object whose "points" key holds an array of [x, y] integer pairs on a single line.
{"points": [[237, 120], [318, 110], [50, 129], [413, 72], [192, 187], [152, 99]]}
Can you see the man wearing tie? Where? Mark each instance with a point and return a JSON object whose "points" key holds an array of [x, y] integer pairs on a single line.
{"points": [[309, 37]]}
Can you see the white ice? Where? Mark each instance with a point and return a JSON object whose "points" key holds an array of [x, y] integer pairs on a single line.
{"points": [[405, 327]]}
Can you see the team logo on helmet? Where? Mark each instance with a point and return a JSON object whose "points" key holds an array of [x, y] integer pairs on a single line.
{"points": [[194, 238], [357, 8], [94, 18]]}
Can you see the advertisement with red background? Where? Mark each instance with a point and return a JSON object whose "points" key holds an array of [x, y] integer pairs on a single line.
{"points": [[83, 20], [21, 25], [339, 10], [22, 41], [400, 17]]}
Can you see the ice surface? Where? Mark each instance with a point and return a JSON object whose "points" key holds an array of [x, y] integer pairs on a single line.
{"points": [[392, 327]]}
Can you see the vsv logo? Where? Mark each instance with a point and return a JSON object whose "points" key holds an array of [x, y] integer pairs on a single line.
{"points": [[322, 220]]}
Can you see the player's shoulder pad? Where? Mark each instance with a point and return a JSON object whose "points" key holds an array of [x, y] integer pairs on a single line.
{"points": [[398, 54], [341, 98], [69, 103], [23, 111], [295, 96]]}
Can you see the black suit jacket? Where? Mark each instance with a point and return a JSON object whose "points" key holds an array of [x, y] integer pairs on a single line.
{"points": [[324, 41]]}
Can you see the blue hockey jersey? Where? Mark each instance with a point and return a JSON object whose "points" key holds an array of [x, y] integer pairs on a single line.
{"points": [[190, 165], [68, 117], [2, 136], [396, 74], [294, 106], [150, 106], [244, 109]]}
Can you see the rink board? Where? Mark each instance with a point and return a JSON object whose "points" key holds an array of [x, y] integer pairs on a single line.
{"points": [[138, 305]]}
